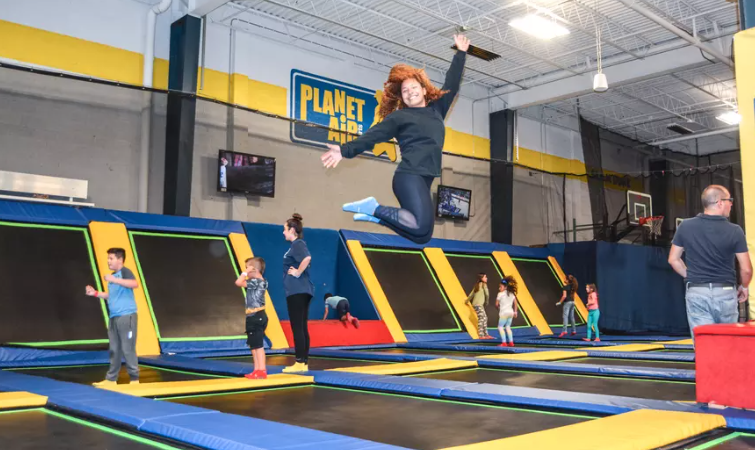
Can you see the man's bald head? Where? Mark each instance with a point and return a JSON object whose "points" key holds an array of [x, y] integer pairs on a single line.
{"points": [[711, 199]]}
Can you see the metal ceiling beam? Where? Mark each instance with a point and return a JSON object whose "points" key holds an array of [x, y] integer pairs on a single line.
{"points": [[396, 43], [635, 6], [483, 33], [201, 8], [696, 135]]}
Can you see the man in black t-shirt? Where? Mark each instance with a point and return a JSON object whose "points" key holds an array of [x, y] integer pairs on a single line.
{"points": [[711, 244]]}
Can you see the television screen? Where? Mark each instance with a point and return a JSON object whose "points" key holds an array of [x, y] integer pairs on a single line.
{"points": [[246, 174], [453, 203]]}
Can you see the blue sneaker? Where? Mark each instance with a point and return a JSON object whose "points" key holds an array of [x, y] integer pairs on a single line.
{"points": [[366, 206], [359, 217]]}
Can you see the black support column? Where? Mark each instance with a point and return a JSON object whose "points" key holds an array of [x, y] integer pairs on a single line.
{"points": [[501, 176], [179, 133]]}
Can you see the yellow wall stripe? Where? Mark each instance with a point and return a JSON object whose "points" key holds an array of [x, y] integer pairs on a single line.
{"points": [[375, 290], [454, 290], [45, 48], [643, 429], [581, 308], [274, 331], [523, 296], [744, 48], [107, 235]]}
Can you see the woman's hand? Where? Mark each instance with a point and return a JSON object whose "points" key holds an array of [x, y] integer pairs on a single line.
{"points": [[332, 157], [293, 272], [515, 314], [462, 42]]}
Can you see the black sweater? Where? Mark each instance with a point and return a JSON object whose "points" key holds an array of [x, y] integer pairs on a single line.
{"points": [[420, 132]]}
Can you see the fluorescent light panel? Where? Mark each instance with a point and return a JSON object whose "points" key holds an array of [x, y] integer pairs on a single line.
{"points": [[539, 27], [730, 118]]}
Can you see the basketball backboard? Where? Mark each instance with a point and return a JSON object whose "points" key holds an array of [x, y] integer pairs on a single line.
{"points": [[639, 205], [679, 221]]}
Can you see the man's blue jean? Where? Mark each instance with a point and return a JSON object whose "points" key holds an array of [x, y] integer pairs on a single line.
{"points": [[707, 305]]}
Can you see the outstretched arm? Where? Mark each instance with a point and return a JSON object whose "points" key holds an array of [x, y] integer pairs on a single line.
{"points": [[453, 76], [379, 133]]}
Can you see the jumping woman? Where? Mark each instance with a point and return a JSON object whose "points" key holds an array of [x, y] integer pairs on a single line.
{"points": [[413, 112]]}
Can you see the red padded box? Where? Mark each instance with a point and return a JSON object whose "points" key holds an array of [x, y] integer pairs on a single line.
{"points": [[725, 364], [329, 333]]}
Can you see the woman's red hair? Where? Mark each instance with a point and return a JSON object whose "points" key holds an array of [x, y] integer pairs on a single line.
{"points": [[392, 100]]}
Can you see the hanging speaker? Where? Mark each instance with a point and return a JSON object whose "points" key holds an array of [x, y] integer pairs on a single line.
{"points": [[600, 83]]}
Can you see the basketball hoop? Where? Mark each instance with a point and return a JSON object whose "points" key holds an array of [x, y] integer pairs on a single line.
{"points": [[654, 224]]}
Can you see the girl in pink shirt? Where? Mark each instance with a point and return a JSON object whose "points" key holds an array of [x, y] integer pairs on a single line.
{"points": [[593, 312]]}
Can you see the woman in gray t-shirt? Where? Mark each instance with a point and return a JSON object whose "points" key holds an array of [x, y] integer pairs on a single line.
{"points": [[299, 290]]}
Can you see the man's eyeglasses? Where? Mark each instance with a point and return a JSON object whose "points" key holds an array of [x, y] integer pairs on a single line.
{"points": [[730, 200]]}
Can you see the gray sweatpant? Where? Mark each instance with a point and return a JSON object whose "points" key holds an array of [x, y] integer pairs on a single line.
{"points": [[122, 335]]}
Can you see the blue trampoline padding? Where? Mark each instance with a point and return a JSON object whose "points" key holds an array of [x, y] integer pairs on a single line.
{"points": [[436, 337], [232, 432], [375, 356], [447, 245], [590, 369], [205, 346], [175, 224], [678, 347], [385, 383], [737, 419], [218, 354], [482, 349], [609, 339], [31, 212], [565, 343], [653, 356], [362, 347], [46, 358], [547, 398]]}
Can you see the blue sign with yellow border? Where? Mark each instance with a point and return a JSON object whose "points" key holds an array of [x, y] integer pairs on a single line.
{"points": [[341, 107]]}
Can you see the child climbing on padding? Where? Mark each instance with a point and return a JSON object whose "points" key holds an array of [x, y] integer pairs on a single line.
{"points": [[593, 312], [507, 310]]}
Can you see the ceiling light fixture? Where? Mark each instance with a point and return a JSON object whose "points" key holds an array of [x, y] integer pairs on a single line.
{"points": [[730, 118], [539, 26]]}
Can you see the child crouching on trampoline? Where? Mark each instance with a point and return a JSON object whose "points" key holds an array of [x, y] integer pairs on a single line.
{"points": [[593, 312], [507, 310], [256, 317], [342, 307]]}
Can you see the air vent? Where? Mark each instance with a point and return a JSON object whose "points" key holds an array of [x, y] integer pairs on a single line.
{"points": [[676, 128], [483, 54]]}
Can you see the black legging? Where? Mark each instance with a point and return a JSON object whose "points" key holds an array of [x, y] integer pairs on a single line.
{"points": [[415, 219], [298, 314]]}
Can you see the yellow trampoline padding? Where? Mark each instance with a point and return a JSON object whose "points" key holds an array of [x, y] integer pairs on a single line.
{"points": [[208, 385], [577, 301], [375, 290], [643, 429], [274, 331], [682, 342], [11, 400], [107, 235], [523, 296], [433, 365], [454, 290], [551, 355], [628, 348]]}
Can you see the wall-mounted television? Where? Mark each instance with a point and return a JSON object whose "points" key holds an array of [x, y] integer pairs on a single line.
{"points": [[453, 202], [246, 174]]}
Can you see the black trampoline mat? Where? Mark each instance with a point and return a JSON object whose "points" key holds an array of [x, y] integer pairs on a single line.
{"points": [[649, 389], [37, 429], [739, 442], [633, 363], [315, 363], [545, 289], [191, 288], [416, 299], [467, 268], [43, 273], [93, 374], [390, 419], [422, 351]]}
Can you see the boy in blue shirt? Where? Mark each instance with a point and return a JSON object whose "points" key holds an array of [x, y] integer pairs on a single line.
{"points": [[256, 317], [122, 327], [341, 305]]}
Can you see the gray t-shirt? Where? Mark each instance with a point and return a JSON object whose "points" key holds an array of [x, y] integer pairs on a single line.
{"points": [[710, 244], [333, 300], [255, 292]]}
